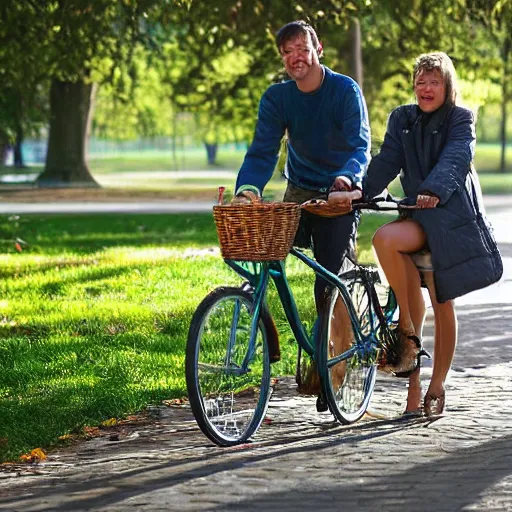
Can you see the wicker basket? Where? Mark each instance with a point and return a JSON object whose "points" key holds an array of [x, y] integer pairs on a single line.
{"points": [[256, 231]]}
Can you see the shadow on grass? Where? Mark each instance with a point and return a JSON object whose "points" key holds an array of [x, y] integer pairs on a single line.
{"points": [[51, 411], [57, 283], [86, 234]]}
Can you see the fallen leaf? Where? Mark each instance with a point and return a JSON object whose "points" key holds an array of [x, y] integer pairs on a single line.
{"points": [[36, 455], [91, 431], [174, 402]]}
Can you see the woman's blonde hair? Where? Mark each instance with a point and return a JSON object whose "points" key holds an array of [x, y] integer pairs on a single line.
{"points": [[439, 61]]}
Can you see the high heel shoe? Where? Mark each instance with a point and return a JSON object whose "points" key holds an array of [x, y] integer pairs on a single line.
{"points": [[434, 405], [402, 353]]}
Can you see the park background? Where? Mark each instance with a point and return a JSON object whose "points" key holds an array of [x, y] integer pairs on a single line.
{"points": [[103, 99]]}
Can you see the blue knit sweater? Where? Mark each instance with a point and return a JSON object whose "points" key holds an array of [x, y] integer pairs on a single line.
{"points": [[328, 134]]}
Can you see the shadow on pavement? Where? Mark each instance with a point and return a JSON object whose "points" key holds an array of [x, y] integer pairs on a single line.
{"points": [[485, 335], [452, 483], [91, 493]]}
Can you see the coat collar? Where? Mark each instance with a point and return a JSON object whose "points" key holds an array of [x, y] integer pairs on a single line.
{"points": [[428, 136], [435, 120]]}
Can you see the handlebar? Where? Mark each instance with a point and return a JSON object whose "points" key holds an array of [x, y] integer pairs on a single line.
{"points": [[384, 204], [319, 206]]}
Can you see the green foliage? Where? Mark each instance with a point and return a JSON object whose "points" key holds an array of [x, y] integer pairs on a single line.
{"points": [[135, 102], [221, 61], [183, 68]]}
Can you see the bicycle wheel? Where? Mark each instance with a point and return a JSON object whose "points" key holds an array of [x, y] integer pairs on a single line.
{"points": [[228, 378], [347, 355]]}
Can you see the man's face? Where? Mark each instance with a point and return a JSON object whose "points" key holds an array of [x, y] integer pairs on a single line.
{"points": [[430, 90], [299, 56]]}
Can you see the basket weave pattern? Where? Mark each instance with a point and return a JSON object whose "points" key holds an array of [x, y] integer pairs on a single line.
{"points": [[256, 232]]}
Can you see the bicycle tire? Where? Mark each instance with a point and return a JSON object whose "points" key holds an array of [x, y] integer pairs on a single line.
{"points": [[228, 400], [348, 382]]}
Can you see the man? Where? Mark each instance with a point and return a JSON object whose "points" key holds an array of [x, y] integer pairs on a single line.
{"points": [[325, 118]]}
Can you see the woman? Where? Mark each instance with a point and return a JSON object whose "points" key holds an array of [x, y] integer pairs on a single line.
{"points": [[431, 144]]}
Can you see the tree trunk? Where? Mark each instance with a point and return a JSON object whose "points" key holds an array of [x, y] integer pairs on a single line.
{"points": [[503, 129], [507, 46], [356, 52], [4, 144], [18, 144], [174, 136], [70, 120], [211, 152]]}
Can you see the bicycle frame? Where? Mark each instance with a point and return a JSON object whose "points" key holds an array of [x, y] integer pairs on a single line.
{"points": [[259, 279], [262, 271]]}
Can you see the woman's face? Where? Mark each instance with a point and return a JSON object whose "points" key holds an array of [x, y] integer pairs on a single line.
{"points": [[430, 90]]}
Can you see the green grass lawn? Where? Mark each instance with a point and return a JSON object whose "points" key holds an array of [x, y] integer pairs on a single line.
{"points": [[94, 315], [192, 159], [94, 312], [487, 158], [107, 170]]}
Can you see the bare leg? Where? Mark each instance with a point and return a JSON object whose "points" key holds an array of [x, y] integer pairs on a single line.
{"points": [[392, 242], [418, 310], [445, 340]]}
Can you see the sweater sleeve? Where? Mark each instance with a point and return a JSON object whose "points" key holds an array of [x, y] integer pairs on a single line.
{"points": [[384, 167], [356, 132], [261, 158], [452, 168]]}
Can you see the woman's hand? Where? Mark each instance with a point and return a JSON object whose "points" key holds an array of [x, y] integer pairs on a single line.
{"points": [[343, 200], [426, 201]]}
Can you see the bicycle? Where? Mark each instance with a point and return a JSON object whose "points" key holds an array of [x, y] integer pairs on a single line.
{"points": [[231, 340]]}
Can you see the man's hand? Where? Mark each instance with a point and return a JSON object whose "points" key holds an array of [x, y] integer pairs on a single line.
{"points": [[343, 200], [245, 197], [426, 201], [341, 184]]}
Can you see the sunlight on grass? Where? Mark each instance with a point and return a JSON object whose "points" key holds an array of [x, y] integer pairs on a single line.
{"points": [[95, 313]]}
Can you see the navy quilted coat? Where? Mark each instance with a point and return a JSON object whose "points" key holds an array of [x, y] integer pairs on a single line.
{"points": [[434, 154]]}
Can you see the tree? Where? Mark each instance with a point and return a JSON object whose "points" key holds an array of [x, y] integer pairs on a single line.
{"points": [[395, 32], [76, 43], [496, 17], [23, 85]]}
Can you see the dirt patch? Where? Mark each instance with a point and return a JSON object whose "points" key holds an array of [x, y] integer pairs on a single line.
{"points": [[48, 195]]}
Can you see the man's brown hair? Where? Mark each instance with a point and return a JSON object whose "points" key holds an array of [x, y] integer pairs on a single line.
{"points": [[298, 28]]}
